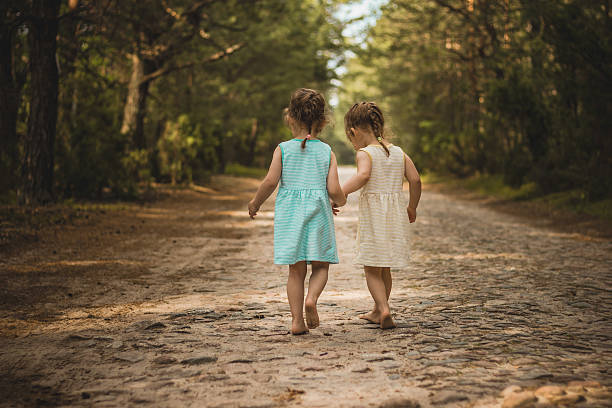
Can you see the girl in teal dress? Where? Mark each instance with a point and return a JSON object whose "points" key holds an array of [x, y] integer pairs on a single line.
{"points": [[303, 221]]}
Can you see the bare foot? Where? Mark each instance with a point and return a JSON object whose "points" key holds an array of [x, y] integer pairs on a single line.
{"points": [[373, 316], [312, 317], [298, 327], [386, 322]]}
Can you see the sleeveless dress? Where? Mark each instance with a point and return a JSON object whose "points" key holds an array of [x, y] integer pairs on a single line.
{"points": [[303, 220], [383, 231]]}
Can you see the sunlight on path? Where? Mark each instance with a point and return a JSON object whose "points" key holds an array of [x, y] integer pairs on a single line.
{"points": [[487, 303]]}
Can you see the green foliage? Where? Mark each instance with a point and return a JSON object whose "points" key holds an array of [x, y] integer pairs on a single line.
{"points": [[216, 77], [179, 147], [520, 89], [235, 169]]}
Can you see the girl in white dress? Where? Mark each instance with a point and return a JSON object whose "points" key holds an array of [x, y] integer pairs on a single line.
{"points": [[384, 214]]}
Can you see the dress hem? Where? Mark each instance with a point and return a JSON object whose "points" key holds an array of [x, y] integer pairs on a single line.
{"points": [[308, 261]]}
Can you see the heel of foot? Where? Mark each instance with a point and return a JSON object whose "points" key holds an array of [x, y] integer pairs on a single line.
{"points": [[312, 317], [386, 322], [298, 327]]}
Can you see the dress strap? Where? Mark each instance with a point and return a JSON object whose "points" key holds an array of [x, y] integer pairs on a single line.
{"points": [[364, 149]]}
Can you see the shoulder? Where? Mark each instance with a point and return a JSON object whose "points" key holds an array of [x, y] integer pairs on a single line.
{"points": [[324, 146], [397, 150], [364, 153], [285, 143]]}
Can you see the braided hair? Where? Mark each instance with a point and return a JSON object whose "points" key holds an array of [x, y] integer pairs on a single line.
{"points": [[367, 114], [307, 106]]}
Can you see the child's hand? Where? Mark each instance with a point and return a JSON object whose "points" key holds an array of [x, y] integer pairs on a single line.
{"points": [[335, 209], [253, 209], [412, 214]]}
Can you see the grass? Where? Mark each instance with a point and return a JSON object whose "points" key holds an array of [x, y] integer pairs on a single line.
{"points": [[238, 170], [575, 200], [493, 186]]}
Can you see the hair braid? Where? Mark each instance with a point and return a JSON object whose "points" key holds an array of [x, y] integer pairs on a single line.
{"points": [[377, 121]]}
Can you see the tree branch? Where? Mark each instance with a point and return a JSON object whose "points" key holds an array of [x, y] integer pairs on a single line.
{"points": [[212, 58]]}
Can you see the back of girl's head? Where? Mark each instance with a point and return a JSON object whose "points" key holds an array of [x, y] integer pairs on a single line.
{"points": [[366, 115], [307, 107]]}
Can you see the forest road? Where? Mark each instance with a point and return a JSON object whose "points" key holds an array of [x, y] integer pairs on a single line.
{"points": [[177, 303]]}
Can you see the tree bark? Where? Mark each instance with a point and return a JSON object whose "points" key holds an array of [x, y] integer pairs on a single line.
{"points": [[9, 103], [252, 143], [136, 101], [37, 169]]}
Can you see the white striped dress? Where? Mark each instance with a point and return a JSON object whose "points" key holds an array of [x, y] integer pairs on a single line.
{"points": [[383, 232]]}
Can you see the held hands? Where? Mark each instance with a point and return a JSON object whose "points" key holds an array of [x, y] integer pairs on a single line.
{"points": [[411, 214], [253, 209], [335, 209]]}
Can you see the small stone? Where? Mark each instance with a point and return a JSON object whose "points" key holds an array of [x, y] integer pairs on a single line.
{"points": [[399, 403], [78, 337], [534, 375], [199, 360], [130, 357], [584, 384], [371, 358], [600, 394], [549, 391], [567, 399], [446, 397], [156, 325], [362, 370], [116, 344], [165, 360], [313, 369], [519, 400]]}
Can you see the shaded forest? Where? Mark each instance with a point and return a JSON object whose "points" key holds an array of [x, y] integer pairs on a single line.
{"points": [[517, 88], [102, 97]]}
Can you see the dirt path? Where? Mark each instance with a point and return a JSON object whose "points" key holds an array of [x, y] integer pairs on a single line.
{"points": [[177, 304]]}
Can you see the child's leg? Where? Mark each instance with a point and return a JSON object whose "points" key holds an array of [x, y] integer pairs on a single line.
{"points": [[386, 277], [318, 279], [374, 315], [377, 288], [295, 294]]}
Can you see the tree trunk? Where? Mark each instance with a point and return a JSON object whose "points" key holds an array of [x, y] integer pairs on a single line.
{"points": [[136, 102], [37, 170], [9, 103], [252, 143]]}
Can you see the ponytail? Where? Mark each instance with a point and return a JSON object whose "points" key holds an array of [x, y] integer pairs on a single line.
{"points": [[307, 137]]}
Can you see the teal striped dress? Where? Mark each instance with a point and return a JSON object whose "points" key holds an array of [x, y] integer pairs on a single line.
{"points": [[303, 220]]}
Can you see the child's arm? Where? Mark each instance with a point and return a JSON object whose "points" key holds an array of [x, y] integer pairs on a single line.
{"points": [[333, 184], [364, 168], [269, 183], [414, 180]]}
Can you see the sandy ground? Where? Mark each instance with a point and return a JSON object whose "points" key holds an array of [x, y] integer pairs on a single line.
{"points": [[176, 303]]}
